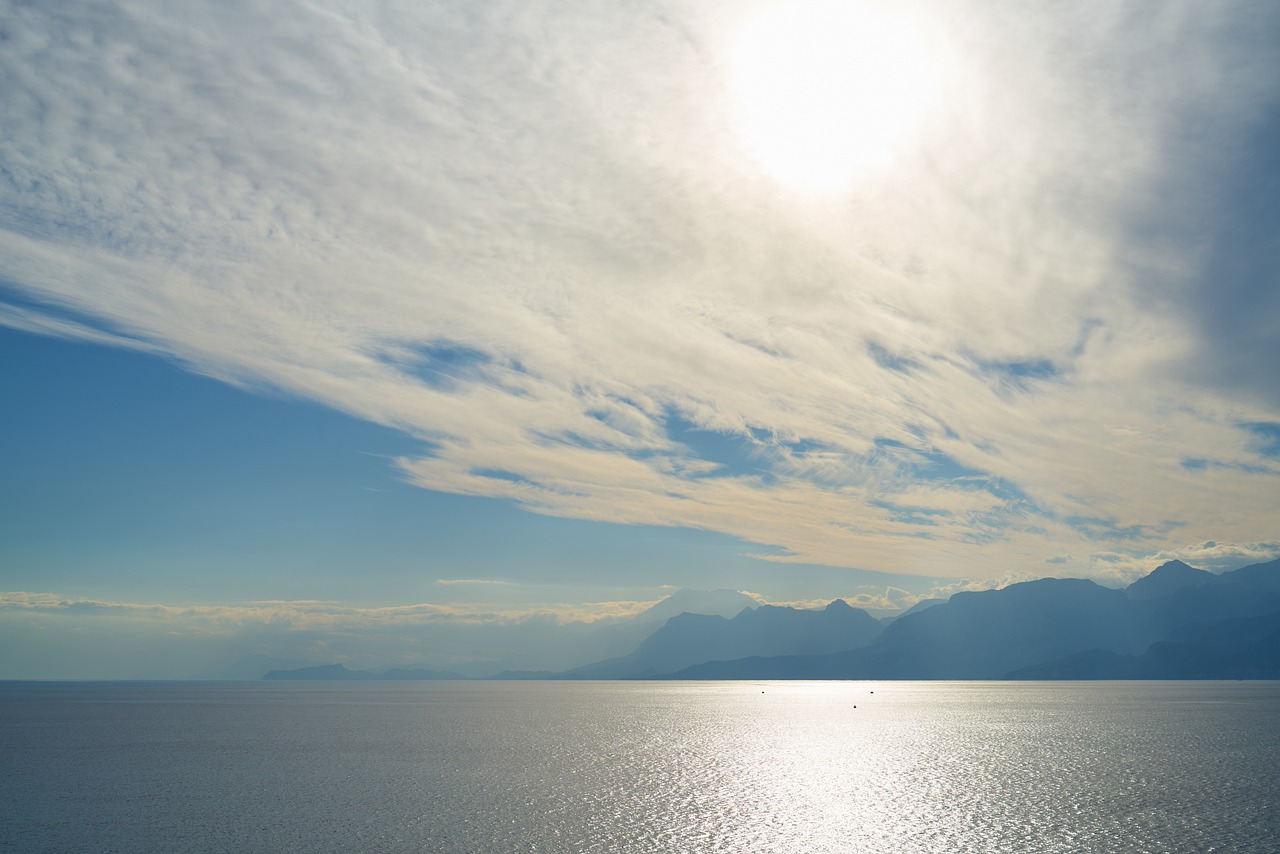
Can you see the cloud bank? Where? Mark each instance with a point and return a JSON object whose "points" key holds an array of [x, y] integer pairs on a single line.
{"points": [[44, 635], [530, 236]]}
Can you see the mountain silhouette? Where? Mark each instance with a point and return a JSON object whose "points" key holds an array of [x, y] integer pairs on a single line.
{"points": [[1167, 579], [1259, 577], [1177, 622], [253, 666], [688, 639], [914, 609], [723, 603], [1070, 626], [1247, 648]]}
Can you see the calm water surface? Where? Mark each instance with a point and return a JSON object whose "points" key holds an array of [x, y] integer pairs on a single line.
{"points": [[640, 767]]}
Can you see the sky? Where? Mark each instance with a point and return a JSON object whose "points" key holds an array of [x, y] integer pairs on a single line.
{"points": [[526, 313]]}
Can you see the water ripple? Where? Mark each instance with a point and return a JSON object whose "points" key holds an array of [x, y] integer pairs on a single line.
{"points": [[638, 767]]}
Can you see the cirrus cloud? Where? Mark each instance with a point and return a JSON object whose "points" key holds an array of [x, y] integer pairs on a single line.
{"points": [[530, 236]]}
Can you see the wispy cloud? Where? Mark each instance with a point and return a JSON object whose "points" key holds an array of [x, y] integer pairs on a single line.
{"points": [[482, 581], [529, 236], [331, 615]]}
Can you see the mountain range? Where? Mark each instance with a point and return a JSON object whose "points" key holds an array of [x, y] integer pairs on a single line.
{"points": [[1178, 622], [689, 639]]}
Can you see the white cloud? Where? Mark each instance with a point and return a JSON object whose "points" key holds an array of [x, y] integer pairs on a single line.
{"points": [[481, 581], [1125, 567], [326, 198], [306, 614]]}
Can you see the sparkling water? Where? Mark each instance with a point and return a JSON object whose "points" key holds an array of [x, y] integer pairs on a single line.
{"points": [[640, 767]]}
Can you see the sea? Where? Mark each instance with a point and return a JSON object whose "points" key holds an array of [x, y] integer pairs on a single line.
{"points": [[789, 767]]}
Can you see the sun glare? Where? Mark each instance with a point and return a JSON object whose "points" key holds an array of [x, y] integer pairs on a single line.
{"points": [[828, 90]]}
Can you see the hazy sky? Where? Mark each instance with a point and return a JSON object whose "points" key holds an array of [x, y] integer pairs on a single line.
{"points": [[511, 309]]}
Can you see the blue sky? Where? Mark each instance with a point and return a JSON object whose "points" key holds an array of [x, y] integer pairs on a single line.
{"points": [[131, 478], [519, 312]]}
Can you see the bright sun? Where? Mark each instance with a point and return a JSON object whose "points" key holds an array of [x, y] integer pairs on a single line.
{"points": [[827, 90]]}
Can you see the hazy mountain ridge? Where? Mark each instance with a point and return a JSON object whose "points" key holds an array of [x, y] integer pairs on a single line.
{"points": [[555, 648], [1064, 625], [688, 639], [1167, 579], [1247, 648], [1177, 622], [573, 644], [922, 605], [253, 666], [976, 635], [722, 602], [684, 639]]}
